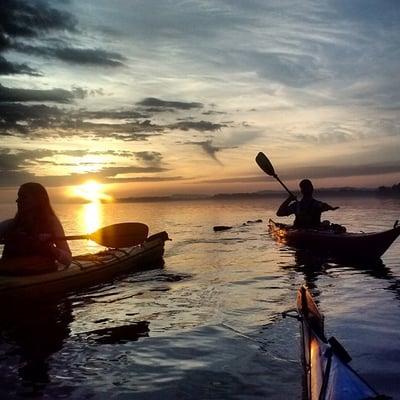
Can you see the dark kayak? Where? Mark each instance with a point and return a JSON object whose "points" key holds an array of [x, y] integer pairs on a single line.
{"points": [[85, 270], [365, 246], [327, 375]]}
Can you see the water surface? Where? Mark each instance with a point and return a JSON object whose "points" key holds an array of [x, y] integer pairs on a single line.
{"points": [[208, 324]]}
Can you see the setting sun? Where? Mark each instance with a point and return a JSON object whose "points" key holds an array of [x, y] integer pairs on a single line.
{"points": [[92, 191]]}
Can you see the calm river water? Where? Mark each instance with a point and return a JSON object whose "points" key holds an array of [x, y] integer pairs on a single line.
{"points": [[208, 324]]}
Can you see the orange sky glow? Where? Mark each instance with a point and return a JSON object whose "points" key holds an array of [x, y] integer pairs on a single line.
{"points": [[147, 106]]}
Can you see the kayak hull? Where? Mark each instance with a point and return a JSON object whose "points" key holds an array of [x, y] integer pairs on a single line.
{"points": [[367, 246], [327, 375], [85, 270]]}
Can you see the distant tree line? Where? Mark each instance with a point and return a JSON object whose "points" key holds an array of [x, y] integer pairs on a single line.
{"points": [[389, 190]]}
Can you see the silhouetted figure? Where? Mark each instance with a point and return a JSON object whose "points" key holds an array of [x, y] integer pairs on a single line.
{"points": [[32, 232], [308, 210]]}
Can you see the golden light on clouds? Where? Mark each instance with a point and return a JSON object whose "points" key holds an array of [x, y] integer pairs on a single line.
{"points": [[91, 191]]}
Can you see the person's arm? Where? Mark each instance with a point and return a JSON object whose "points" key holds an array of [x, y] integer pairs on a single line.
{"points": [[285, 209], [61, 250], [327, 207], [4, 226]]}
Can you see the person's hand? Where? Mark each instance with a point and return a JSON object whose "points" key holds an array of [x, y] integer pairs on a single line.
{"points": [[292, 197]]}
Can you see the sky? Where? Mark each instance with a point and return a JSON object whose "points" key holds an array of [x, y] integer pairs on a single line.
{"points": [[156, 98]]}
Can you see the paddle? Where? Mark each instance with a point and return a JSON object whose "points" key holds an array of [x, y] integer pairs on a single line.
{"points": [[263, 162], [118, 235]]}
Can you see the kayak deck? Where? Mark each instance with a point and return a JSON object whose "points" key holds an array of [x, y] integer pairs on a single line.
{"points": [[327, 374], [366, 246], [86, 270]]}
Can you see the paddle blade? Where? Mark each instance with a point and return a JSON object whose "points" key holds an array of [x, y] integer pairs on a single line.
{"points": [[121, 235], [263, 162]]}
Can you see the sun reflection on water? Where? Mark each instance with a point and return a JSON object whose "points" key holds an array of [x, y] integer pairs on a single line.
{"points": [[91, 219]]}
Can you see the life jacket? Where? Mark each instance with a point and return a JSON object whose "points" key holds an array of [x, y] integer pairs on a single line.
{"points": [[23, 242], [308, 214]]}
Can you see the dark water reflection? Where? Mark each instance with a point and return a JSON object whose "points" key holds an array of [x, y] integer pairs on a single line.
{"points": [[30, 334], [312, 266]]}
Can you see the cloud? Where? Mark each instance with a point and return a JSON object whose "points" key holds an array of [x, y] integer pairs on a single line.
{"points": [[13, 179], [149, 157], [290, 69], [161, 105], [26, 95], [89, 56], [110, 114], [15, 160], [201, 126], [325, 137], [22, 21], [27, 20], [209, 149], [16, 119], [44, 121], [8, 68], [71, 55], [41, 120], [14, 169], [31, 19]]}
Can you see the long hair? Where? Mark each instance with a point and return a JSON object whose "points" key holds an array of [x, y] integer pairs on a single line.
{"points": [[42, 212]]}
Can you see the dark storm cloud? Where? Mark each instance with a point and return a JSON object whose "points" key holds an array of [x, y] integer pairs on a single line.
{"points": [[25, 95], [89, 56], [201, 126], [83, 56], [162, 105], [8, 68], [26, 20], [30, 19]]}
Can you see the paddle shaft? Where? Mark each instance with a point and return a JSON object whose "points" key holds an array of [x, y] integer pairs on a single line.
{"points": [[73, 237], [285, 187], [118, 235]]}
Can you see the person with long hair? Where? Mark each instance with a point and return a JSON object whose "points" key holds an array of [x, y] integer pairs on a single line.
{"points": [[34, 230]]}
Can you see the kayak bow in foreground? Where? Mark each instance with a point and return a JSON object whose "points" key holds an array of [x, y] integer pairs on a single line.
{"points": [[365, 246], [327, 375]]}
